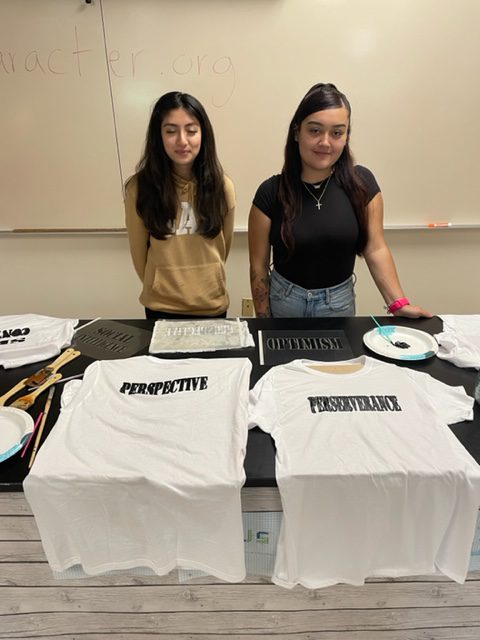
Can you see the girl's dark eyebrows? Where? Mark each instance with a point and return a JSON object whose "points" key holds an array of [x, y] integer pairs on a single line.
{"points": [[174, 124], [321, 124]]}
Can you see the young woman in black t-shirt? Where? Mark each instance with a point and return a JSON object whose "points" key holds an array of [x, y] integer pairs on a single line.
{"points": [[317, 216]]}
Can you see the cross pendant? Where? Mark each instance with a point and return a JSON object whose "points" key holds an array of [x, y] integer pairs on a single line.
{"points": [[319, 204]]}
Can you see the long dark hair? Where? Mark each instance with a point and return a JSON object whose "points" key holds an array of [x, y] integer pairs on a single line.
{"points": [[320, 97], [157, 200]]}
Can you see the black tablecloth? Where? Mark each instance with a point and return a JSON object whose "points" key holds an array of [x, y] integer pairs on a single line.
{"points": [[260, 459]]}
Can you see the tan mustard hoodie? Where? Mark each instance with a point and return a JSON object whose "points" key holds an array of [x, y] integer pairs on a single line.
{"points": [[186, 272]]}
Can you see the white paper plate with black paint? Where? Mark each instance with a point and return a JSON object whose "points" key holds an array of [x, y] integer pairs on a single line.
{"points": [[414, 344]]}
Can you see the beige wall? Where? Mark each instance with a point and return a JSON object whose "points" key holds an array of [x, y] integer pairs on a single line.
{"points": [[88, 276]]}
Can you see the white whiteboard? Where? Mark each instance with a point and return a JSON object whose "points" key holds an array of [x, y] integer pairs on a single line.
{"points": [[78, 82]]}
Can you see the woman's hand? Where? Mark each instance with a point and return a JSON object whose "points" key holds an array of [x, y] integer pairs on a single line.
{"points": [[413, 311]]}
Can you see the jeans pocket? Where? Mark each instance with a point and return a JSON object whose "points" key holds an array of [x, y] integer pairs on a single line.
{"points": [[343, 299], [277, 291]]}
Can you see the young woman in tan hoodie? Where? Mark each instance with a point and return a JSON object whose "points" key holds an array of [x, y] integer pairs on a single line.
{"points": [[179, 208]]}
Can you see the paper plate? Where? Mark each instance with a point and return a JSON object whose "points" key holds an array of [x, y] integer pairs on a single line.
{"points": [[15, 427], [421, 345]]}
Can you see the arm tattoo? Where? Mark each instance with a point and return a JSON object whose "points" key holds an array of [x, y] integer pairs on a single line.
{"points": [[260, 284]]}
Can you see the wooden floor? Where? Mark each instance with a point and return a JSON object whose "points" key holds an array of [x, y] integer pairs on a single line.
{"points": [[34, 605]]}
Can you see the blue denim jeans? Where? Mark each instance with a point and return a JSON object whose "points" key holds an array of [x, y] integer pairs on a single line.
{"points": [[288, 300]]}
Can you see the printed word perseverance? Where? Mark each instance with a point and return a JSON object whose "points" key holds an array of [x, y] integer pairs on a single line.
{"points": [[320, 404]]}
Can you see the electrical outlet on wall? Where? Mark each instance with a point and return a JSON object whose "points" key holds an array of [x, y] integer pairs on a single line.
{"points": [[247, 308]]}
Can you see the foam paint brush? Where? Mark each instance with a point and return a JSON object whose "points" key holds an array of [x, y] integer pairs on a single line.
{"points": [[42, 375], [26, 401], [385, 333]]}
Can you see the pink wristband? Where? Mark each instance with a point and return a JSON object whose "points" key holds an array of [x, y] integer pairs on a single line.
{"points": [[397, 304]]}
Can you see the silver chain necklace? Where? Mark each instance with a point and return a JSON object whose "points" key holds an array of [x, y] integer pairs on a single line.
{"points": [[318, 200]]}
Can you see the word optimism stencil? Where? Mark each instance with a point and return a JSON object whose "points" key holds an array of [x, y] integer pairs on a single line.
{"points": [[279, 346]]}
